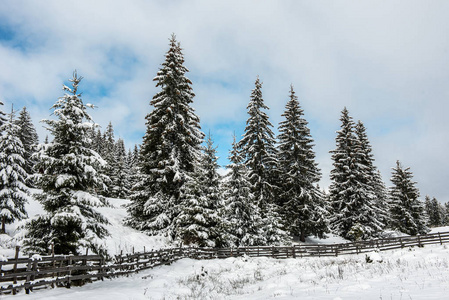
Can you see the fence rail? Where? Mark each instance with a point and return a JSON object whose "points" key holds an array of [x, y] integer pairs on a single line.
{"points": [[64, 270]]}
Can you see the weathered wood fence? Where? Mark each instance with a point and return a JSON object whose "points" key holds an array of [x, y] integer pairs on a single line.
{"points": [[65, 270]]}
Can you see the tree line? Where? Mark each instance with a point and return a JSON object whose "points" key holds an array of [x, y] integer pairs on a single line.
{"points": [[269, 196]]}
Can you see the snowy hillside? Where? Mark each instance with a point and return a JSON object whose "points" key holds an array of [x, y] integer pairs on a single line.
{"points": [[121, 238]]}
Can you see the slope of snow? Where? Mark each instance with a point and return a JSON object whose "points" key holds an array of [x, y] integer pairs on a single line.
{"points": [[121, 238], [124, 238]]}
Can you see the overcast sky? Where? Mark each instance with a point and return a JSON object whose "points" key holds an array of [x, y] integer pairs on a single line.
{"points": [[386, 61]]}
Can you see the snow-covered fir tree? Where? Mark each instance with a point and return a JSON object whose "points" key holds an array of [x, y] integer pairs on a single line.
{"points": [[29, 138], [446, 214], [134, 168], [198, 218], [381, 199], [407, 211], [97, 142], [119, 178], [371, 178], [170, 150], [13, 191], [258, 150], [303, 207], [2, 115], [352, 197], [241, 216], [69, 177], [435, 212], [109, 155]]}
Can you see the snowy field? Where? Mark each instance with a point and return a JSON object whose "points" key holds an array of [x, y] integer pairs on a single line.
{"points": [[412, 273], [416, 273]]}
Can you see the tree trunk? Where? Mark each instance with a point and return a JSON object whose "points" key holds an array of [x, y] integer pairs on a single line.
{"points": [[3, 225], [302, 238]]}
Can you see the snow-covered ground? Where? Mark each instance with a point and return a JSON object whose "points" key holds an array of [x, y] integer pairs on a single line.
{"points": [[415, 273], [121, 238]]}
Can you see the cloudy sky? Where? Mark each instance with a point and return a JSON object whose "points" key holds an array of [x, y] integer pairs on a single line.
{"points": [[386, 61]]}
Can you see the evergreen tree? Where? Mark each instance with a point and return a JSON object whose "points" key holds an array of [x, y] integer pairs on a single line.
{"points": [[258, 149], [446, 214], [170, 150], [440, 212], [133, 167], [198, 217], [2, 115], [371, 178], [351, 195], [303, 206], [13, 191], [435, 212], [109, 155], [98, 142], [381, 200], [68, 181], [120, 183], [407, 211], [29, 138], [242, 220]]}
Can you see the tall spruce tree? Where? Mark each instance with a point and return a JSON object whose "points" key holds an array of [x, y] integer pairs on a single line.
{"points": [[13, 191], [29, 138], [170, 150], [407, 211], [302, 203], [258, 150], [241, 216], [69, 177], [372, 180], [351, 195]]}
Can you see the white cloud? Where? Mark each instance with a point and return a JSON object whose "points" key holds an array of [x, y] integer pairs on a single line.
{"points": [[386, 62]]}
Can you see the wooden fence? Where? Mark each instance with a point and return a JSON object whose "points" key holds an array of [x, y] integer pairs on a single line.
{"points": [[36, 271]]}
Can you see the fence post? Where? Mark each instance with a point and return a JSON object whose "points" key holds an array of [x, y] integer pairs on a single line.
{"points": [[102, 269], [70, 272], [439, 235], [34, 269], [16, 257], [54, 262], [27, 283]]}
